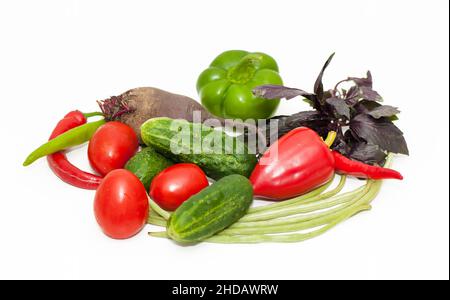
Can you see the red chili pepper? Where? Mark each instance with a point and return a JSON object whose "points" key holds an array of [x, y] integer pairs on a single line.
{"points": [[71, 120], [300, 161], [358, 169], [58, 161], [297, 163]]}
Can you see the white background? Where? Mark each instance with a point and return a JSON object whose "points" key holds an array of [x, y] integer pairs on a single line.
{"points": [[56, 56]]}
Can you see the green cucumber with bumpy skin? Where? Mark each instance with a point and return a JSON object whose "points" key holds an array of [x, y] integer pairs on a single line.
{"points": [[212, 210], [146, 164], [217, 153]]}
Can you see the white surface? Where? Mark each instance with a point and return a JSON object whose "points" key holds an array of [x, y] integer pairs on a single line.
{"points": [[61, 55]]}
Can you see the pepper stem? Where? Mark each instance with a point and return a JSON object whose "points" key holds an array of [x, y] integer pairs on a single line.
{"points": [[93, 114], [245, 69], [330, 138]]}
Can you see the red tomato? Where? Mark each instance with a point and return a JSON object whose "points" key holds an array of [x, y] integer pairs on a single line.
{"points": [[111, 147], [176, 184], [121, 205]]}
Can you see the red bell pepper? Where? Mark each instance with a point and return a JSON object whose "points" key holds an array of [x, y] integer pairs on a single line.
{"points": [[297, 163], [300, 161]]}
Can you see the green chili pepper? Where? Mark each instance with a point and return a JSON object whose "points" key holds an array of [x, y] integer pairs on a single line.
{"points": [[74, 137], [225, 88]]}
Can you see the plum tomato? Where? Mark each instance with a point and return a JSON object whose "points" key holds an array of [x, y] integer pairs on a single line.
{"points": [[121, 204], [111, 147], [176, 184]]}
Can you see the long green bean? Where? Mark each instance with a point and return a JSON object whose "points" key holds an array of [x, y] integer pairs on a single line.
{"points": [[272, 217], [157, 222], [156, 211], [257, 229], [357, 206], [301, 199], [155, 207], [288, 210], [293, 220], [323, 220], [305, 208], [263, 238], [266, 227]]}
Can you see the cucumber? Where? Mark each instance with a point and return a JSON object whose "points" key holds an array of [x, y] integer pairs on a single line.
{"points": [[212, 210], [217, 153], [146, 164]]}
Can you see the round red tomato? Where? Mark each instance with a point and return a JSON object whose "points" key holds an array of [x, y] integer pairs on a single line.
{"points": [[111, 147], [176, 184], [121, 205]]}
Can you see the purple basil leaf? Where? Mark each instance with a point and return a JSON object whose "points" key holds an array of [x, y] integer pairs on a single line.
{"points": [[318, 86], [352, 96], [279, 117], [367, 153], [311, 119], [341, 143], [363, 82], [270, 91], [383, 111], [340, 106], [365, 106], [352, 92], [381, 132], [368, 94], [303, 116]]}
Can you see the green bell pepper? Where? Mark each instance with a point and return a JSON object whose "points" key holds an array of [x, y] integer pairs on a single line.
{"points": [[225, 88]]}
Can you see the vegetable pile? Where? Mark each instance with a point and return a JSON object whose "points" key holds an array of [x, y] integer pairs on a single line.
{"points": [[163, 159]]}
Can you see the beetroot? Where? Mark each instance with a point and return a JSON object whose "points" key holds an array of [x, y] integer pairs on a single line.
{"points": [[136, 106]]}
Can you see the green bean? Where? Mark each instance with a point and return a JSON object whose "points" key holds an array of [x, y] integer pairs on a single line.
{"points": [[358, 206], [342, 207], [286, 238], [264, 220], [158, 211], [155, 207], [317, 222], [305, 208], [295, 224], [291, 220], [155, 219], [250, 227], [328, 194], [296, 200], [160, 234], [284, 220], [157, 222]]}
